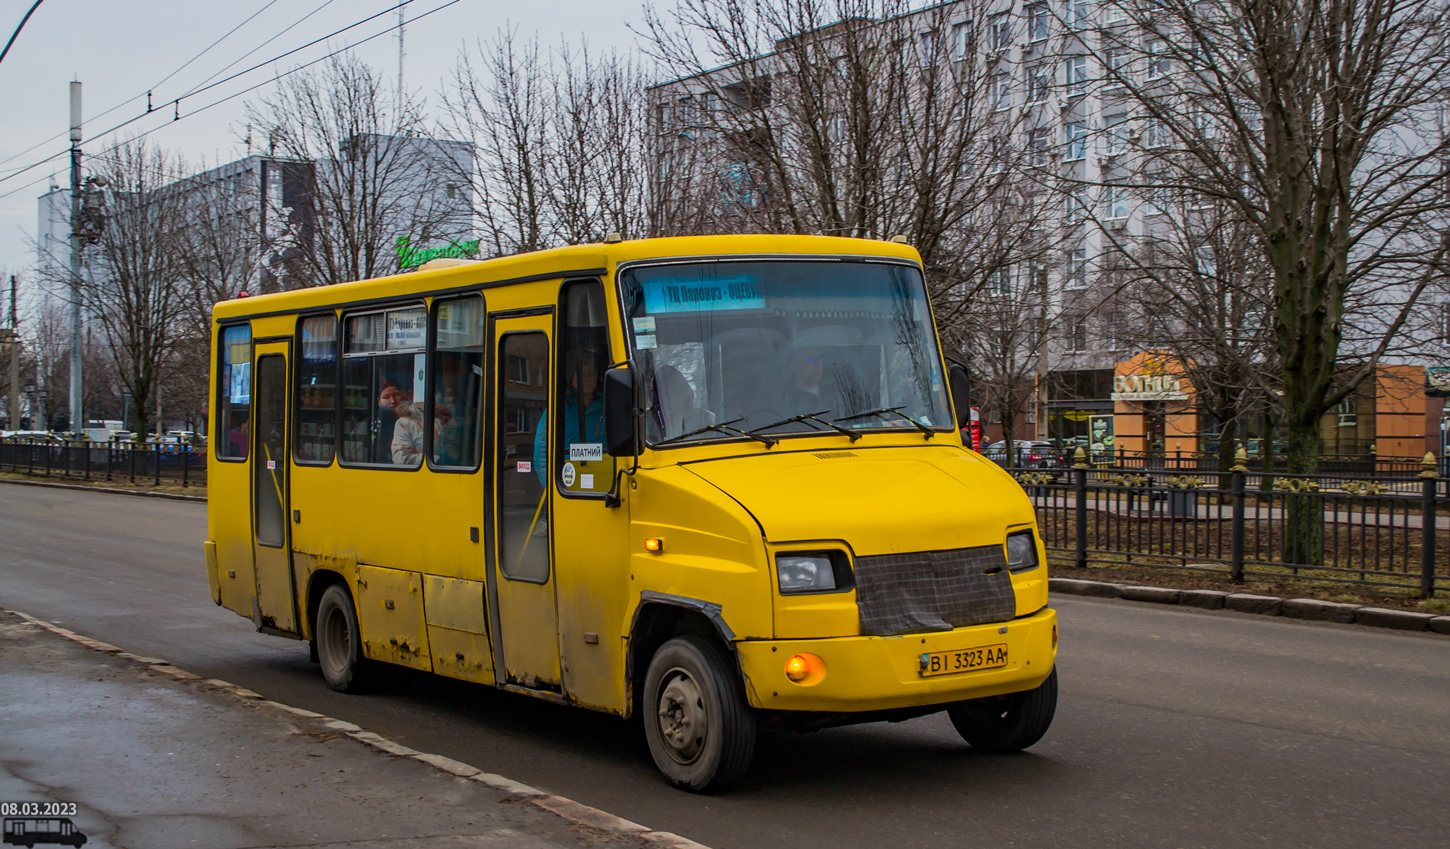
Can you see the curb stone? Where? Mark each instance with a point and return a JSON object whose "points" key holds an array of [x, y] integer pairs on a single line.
{"points": [[1404, 620], [1320, 611], [1160, 595], [1290, 608], [140, 493], [566, 809]]}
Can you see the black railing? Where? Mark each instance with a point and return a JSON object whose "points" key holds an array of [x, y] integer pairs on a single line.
{"points": [[173, 464], [1382, 532]]}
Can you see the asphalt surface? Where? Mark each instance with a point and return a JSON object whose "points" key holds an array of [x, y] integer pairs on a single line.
{"points": [[1175, 727]]}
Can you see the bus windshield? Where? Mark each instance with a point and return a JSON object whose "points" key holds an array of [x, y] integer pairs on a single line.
{"points": [[774, 348]]}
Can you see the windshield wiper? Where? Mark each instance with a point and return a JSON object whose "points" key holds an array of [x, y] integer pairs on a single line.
{"points": [[724, 427], [881, 413], [811, 417]]}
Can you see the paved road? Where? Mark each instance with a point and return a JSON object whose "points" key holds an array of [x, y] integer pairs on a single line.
{"points": [[1175, 728]]}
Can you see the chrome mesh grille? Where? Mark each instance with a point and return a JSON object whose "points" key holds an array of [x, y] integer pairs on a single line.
{"points": [[933, 590]]}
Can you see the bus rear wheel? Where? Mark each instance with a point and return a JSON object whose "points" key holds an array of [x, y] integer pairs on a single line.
{"points": [[339, 645], [1010, 723], [701, 732]]}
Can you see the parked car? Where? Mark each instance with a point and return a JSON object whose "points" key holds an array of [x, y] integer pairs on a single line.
{"points": [[1031, 454]]}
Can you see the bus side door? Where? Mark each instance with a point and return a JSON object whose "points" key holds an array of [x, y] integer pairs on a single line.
{"points": [[522, 605], [271, 544]]}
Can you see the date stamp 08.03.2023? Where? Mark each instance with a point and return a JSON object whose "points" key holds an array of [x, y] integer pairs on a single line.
{"points": [[43, 823]]}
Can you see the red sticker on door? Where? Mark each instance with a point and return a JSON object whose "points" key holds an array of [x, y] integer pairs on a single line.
{"points": [[526, 466], [271, 464]]}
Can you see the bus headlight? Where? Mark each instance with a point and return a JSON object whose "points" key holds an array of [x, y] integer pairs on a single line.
{"points": [[813, 572], [1021, 552]]}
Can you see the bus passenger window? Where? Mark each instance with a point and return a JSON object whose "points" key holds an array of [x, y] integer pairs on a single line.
{"points": [[234, 388], [581, 467], [457, 411], [383, 374], [317, 390]]}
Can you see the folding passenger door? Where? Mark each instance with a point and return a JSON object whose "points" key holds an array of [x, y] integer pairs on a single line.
{"points": [[271, 544], [521, 585]]}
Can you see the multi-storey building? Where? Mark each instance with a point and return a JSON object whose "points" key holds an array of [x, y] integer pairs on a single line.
{"points": [[1052, 91]]}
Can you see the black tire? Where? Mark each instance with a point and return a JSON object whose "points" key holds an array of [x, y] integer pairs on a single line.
{"points": [[1011, 723], [701, 733], [339, 645]]}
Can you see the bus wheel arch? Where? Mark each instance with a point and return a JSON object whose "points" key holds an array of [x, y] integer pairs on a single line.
{"points": [[660, 618], [317, 584]]}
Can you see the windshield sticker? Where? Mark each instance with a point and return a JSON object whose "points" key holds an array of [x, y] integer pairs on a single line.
{"points": [[568, 474], [740, 292], [586, 481], [644, 343], [645, 324], [584, 452]]}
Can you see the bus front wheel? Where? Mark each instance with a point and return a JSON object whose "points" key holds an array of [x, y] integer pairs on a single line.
{"points": [[339, 646], [701, 732], [1010, 723]]}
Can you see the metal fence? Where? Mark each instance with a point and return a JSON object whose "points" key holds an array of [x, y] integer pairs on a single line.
{"points": [[137, 463], [1323, 528]]}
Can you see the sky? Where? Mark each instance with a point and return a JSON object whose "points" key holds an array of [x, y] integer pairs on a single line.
{"points": [[120, 49]]}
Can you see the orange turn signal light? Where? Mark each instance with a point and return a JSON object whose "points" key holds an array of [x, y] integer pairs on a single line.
{"points": [[797, 668], [654, 544]]}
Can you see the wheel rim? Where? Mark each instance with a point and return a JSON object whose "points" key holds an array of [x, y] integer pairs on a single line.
{"points": [[335, 640], [683, 720]]}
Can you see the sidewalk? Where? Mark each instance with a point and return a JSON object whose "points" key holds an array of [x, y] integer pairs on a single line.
{"points": [[153, 760]]}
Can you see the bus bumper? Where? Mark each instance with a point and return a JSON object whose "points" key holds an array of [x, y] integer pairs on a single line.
{"points": [[881, 673]]}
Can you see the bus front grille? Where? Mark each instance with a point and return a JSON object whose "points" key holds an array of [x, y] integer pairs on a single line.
{"points": [[926, 591]]}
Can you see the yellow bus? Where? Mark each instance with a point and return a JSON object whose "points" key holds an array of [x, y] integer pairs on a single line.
{"points": [[715, 481]]}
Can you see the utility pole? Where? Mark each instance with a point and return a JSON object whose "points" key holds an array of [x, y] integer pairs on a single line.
{"points": [[398, 108], [14, 357], [77, 419]]}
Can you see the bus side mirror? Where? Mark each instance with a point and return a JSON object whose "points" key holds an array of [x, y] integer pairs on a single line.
{"points": [[619, 413], [959, 381]]}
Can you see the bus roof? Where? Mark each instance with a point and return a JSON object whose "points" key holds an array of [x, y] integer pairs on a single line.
{"points": [[580, 260]]}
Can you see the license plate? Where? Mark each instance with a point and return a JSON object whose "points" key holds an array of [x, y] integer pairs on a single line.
{"points": [[965, 660]]}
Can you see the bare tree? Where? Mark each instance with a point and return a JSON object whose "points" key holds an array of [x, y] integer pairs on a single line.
{"points": [[870, 119], [134, 292], [559, 142], [376, 176], [1316, 123], [1198, 293]]}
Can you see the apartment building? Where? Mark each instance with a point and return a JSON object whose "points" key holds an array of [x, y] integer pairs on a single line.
{"points": [[1052, 92]]}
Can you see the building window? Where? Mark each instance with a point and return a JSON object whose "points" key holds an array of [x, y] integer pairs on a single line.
{"points": [[1157, 59], [1077, 337], [1158, 134], [1000, 29], [1115, 135], [1445, 323], [1077, 205], [999, 282], [1119, 67], [1001, 91], [1039, 78], [1116, 201], [1037, 22], [1076, 276], [961, 41], [1077, 76], [1076, 142], [928, 48], [1079, 14], [1037, 147], [1114, 12]]}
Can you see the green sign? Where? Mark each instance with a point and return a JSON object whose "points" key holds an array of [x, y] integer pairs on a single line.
{"points": [[412, 256]]}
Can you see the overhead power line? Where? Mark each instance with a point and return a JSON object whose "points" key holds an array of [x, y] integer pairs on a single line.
{"points": [[220, 101], [198, 89]]}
